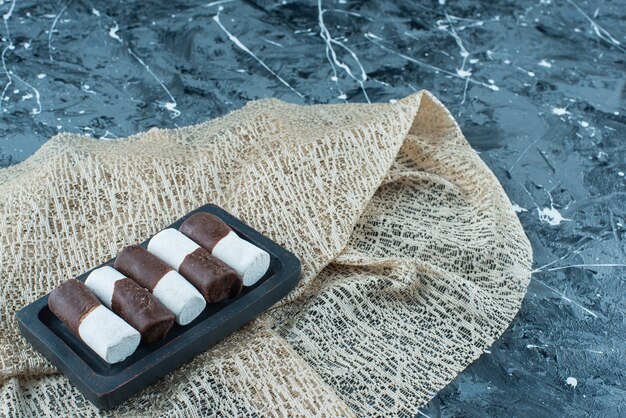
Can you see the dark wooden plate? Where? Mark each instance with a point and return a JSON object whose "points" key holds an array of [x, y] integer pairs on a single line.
{"points": [[107, 385]]}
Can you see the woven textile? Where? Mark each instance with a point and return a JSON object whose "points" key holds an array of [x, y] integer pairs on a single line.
{"points": [[413, 259]]}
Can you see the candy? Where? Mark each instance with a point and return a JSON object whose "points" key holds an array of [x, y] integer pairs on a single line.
{"points": [[104, 332], [212, 277], [132, 302], [212, 233], [166, 284]]}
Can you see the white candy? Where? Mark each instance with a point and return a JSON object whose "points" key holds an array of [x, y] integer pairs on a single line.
{"points": [[247, 259], [108, 335], [179, 296], [172, 247], [102, 282]]}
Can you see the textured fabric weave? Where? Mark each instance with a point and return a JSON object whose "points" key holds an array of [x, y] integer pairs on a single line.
{"points": [[413, 259]]}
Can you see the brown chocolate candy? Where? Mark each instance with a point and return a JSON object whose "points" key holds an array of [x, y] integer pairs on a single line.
{"points": [[142, 266], [71, 302], [141, 310], [212, 277], [205, 229]]}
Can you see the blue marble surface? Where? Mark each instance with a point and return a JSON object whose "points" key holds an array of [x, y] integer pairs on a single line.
{"points": [[538, 87]]}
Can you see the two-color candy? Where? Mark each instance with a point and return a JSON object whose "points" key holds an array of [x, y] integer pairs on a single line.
{"points": [[132, 302], [212, 233], [166, 284], [211, 276], [147, 288], [104, 332]]}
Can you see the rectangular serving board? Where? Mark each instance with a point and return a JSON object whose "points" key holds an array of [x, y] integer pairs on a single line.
{"points": [[107, 385]]}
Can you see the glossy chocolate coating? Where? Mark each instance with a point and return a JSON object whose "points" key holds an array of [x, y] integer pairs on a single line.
{"points": [[142, 266], [71, 302], [205, 229], [211, 276], [141, 310]]}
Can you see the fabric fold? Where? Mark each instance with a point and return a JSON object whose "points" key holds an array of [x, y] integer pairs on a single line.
{"points": [[413, 259]]}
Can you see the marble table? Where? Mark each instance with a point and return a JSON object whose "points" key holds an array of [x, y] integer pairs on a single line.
{"points": [[538, 88]]}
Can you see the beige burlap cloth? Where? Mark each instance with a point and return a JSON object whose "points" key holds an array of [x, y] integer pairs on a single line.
{"points": [[413, 259]]}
